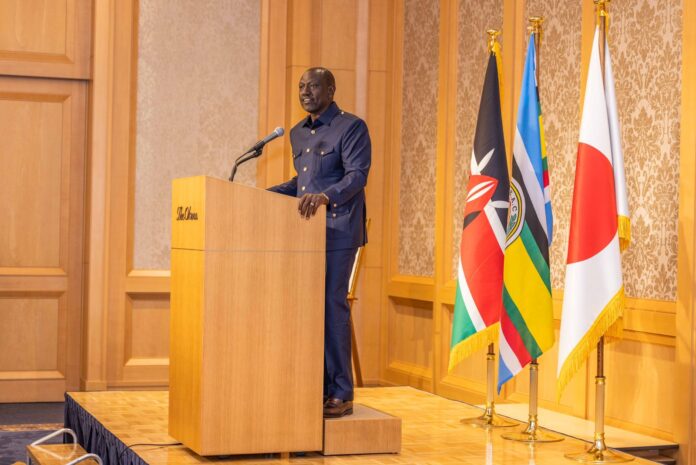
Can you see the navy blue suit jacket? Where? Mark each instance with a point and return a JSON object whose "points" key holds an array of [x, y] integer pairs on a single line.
{"points": [[333, 155]]}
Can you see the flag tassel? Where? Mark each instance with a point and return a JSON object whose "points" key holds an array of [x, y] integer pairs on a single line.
{"points": [[624, 224], [473, 343], [611, 312]]}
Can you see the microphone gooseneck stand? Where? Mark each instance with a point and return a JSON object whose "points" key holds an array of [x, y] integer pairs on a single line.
{"points": [[251, 154]]}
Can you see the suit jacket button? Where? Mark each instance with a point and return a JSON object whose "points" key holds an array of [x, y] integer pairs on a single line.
{"points": [[304, 169], [303, 188], [334, 215]]}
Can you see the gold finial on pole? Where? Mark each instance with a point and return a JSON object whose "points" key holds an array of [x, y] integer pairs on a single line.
{"points": [[492, 38], [535, 27], [535, 23], [601, 6], [602, 9]]}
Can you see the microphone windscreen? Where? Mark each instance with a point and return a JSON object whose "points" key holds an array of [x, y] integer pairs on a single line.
{"points": [[280, 131]]}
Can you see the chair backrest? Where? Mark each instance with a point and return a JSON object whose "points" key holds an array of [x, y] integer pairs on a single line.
{"points": [[59, 454]]}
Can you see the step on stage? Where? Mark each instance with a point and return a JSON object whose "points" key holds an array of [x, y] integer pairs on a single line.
{"points": [[107, 422]]}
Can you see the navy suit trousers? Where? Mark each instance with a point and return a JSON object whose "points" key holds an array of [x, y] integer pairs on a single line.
{"points": [[338, 369]]}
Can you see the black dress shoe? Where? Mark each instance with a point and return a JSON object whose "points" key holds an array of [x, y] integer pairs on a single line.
{"points": [[335, 408]]}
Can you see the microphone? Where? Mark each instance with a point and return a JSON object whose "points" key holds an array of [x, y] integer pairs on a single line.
{"points": [[277, 132], [256, 150]]}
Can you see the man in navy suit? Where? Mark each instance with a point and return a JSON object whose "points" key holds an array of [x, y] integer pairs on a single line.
{"points": [[331, 152]]}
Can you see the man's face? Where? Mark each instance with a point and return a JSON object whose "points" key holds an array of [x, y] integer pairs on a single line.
{"points": [[315, 94]]}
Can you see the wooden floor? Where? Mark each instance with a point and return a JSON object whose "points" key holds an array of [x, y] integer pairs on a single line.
{"points": [[432, 432], [584, 429]]}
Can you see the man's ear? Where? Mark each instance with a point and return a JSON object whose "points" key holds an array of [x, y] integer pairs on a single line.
{"points": [[332, 91]]}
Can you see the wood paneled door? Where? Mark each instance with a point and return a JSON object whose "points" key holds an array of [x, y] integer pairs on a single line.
{"points": [[44, 67], [42, 148]]}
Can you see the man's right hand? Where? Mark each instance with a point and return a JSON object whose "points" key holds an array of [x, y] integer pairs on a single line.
{"points": [[310, 203]]}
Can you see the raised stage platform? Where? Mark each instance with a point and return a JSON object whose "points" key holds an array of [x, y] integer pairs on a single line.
{"points": [[431, 433]]}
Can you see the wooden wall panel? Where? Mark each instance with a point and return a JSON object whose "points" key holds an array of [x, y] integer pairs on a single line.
{"points": [[30, 176], [366, 311], [345, 89], [366, 321], [33, 326], [42, 152], [48, 38], [147, 327], [640, 382], [410, 347], [34, 26], [410, 327], [685, 351], [338, 34]]}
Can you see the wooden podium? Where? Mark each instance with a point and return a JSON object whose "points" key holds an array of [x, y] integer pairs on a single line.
{"points": [[247, 320]]}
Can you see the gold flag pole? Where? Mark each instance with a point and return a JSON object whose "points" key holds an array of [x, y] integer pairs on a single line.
{"points": [[490, 419], [599, 452], [532, 433]]}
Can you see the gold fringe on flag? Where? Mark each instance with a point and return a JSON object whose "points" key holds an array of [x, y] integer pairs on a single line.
{"points": [[615, 331], [473, 343], [624, 232], [604, 322]]}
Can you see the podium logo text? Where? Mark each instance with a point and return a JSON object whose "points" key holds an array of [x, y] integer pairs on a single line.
{"points": [[186, 214]]}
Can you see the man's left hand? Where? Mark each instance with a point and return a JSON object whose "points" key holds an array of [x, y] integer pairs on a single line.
{"points": [[310, 203]]}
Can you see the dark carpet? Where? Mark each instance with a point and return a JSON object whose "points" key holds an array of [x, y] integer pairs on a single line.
{"points": [[13, 444], [25, 414], [21, 424]]}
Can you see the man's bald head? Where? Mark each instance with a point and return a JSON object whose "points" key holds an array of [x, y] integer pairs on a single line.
{"points": [[317, 87], [325, 74]]}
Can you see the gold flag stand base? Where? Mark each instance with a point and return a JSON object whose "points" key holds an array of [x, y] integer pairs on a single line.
{"points": [[533, 434], [599, 453], [489, 419]]}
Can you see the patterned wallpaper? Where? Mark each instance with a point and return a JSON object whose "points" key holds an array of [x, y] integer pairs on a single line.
{"points": [[198, 74], [647, 70], [561, 68], [474, 18], [418, 138]]}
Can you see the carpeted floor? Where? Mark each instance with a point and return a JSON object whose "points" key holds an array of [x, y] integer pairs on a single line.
{"points": [[21, 424], [13, 444], [25, 414]]}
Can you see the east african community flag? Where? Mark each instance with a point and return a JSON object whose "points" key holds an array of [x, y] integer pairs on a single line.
{"points": [[478, 299], [593, 298], [526, 322]]}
